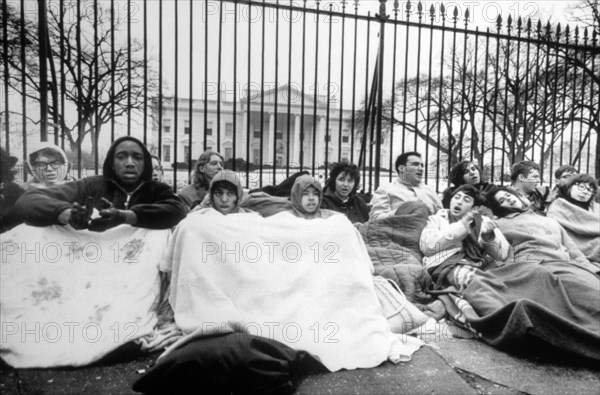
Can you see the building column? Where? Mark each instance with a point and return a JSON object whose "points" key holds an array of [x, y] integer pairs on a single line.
{"points": [[271, 138], [296, 146]]}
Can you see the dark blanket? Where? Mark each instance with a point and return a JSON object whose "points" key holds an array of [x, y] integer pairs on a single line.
{"points": [[552, 308], [393, 246]]}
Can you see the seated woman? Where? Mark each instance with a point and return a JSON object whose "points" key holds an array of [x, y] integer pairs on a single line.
{"points": [[225, 195], [306, 197], [340, 193], [578, 214], [48, 166], [158, 172], [208, 164], [464, 172], [460, 237], [10, 191]]}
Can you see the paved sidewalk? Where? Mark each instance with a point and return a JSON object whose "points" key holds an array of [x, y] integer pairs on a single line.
{"points": [[450, 366]]}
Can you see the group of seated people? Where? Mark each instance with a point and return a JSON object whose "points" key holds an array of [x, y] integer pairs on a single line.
{"points": [[474, 225]]}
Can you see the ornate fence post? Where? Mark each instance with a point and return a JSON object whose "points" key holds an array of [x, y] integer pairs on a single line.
{"points": [[382, 19]]}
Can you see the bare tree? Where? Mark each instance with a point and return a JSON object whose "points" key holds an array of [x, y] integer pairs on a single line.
{"points": [[99, 76]]}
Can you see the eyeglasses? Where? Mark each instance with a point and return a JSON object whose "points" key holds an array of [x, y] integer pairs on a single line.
{"points": [[44, 165], [158, 168], [585, 188]]}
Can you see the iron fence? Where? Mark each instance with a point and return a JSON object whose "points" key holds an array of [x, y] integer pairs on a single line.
{"points": [[282, 86]]}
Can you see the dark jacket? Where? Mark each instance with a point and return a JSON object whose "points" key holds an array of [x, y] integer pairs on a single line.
{"points": [[354, 208], [154, 203], [9, 195]]}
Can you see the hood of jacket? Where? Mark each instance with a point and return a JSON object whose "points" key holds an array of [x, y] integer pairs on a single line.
{"points": [[232, 178], [301, 184]]}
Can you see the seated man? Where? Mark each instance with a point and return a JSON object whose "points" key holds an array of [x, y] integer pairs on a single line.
{"points": [[525, 176], [406, 188], [562, 174], [125, 193]]}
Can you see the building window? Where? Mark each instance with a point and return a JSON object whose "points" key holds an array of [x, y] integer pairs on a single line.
{"points": [[345, 136], [209, 128], [279, 135], [328, 137], [257, 134], [186, 127], [167, 129], [228, 153], [166, 153], [228, 130]]}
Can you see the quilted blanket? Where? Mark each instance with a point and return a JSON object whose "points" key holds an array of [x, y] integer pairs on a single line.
{"points": [[393, 246], [305, 283], [70, 297]]}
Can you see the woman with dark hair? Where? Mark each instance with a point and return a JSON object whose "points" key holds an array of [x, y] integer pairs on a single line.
{"points": [[460, 236], [576, 211], [464, 172], [208, 164], [340, 193], [10, 191]]}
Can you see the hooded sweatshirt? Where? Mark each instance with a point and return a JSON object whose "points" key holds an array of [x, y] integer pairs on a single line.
{"points": [[58, 152], [300, 185], [233, 179], [154, 203]]}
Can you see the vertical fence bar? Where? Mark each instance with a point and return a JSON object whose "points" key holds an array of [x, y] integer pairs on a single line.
{"points": [[262, 94], [535, 84], [160, 83], [517, 94], [96, 115], [43, 58], [188, 159], [302, 86], [219, 64], [527, 74], [341, 120], [429, 93], [393, 95], [205, 87], [574, 93], [564, 94], [276, 91], [441, 99], [62, 74], [145, 57], [555, 99], [452, 82], [496, 94], [582, 140], [289, 97], [418, 84], [176, 92], [112, 68], [234, 126], [404, 89], [248, 97], [327, 132], [461, 132], [594, 54], [382, 19], [506, 71], [546, 82], [352, 126], [472, 113], [79, 119], [366, 107], [485, 102], [23, 88], [129, 67], [6, 76], [316, 88]]}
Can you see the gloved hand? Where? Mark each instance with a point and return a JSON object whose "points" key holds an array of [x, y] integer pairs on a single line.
{"points": [[109, 218], [80, 216]]}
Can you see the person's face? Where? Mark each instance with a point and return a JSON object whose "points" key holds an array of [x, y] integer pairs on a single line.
{"points": [[224, 200], [582, 192], [214, 165], [49, 169], [508, 200], [461, 204], [471, 175], [529, 182], [564, 177], [128, 162], [157, 170], [412, 172], [310, 199], [344, 185]]}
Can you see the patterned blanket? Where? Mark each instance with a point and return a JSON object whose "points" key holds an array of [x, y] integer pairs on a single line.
{"points": [[70, 297]]}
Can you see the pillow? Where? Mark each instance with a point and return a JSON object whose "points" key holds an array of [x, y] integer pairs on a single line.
{"points": [[229, 364]]}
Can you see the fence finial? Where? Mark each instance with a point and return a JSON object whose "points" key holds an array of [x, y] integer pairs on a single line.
{"points": [[408, 5], [499, 22], [382, 13], [432, 13], [467, 15]]}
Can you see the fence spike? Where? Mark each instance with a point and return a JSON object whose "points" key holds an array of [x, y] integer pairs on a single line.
{"points": [[432, 13], [528, 26], [585, 35], [442, 11], [408, 5], [499, 22], [576, 33], [519, 24], [356, 6], [567, 32], [396, 6], [557, 31], [509, 21], [420, 6], [467, 15], [455, 14]]}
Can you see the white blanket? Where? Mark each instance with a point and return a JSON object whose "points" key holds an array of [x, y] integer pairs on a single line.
{"points": [[305, 283], [69, 297]]}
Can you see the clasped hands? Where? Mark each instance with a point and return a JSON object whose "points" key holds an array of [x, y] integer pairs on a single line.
{"points": [[487, 225], [80, 217]]}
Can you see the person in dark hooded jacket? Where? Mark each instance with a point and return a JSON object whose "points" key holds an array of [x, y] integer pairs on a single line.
{"points": [[124, 194]]}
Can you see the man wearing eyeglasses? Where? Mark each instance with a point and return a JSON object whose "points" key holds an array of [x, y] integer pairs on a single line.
{"points": [[407, 187], [48, 166]]}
